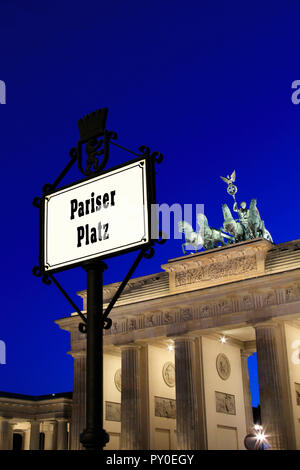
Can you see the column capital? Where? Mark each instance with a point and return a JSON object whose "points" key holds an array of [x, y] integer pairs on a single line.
{"points": [[125, 347], [266, 324], [183, 338], [245, 353], [61, 419], [51, 421], [77, 354]]}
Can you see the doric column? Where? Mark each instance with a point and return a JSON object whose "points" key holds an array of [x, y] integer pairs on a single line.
{"points": [[62, 434], [34, 435], [130, 398], [270, 384], [4, 434], [144, 396], [246, 390], [51, 436], [78, 402], [187, 410]]}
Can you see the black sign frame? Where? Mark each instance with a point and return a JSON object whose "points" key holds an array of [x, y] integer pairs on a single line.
{"points": [[151, 200]]}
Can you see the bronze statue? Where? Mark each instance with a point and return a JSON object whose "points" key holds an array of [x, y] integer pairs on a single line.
{"points": [[248, 225]]}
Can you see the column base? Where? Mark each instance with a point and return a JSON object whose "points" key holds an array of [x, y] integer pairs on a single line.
{"points": [[93, 439]]}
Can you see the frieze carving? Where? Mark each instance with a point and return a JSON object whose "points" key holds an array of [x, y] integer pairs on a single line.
{"points": [[226, 306], [186, 314], [151, 320], [214, 271], [225, 403], [247, 302], [115, 328], [205, 311], [165, 407], [112, 411], [269, 299], [291, 293], [131, 325], [168, 318]]}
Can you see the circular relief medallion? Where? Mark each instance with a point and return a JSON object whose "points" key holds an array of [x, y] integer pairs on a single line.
{"points": [[223, 366], [168, 374], [118, 380]]}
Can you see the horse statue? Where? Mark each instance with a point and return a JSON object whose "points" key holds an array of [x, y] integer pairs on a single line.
{"points": [[231, 226], [191, 237], [212, 237], [256, 224], [249, 225]]}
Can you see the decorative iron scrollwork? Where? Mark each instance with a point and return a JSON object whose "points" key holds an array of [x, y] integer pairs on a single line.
{"points": [[107, 322], [36, 271], [157, 157], [47, 187], [36, 202], [146, 152], [82, 327], [149, 253]]}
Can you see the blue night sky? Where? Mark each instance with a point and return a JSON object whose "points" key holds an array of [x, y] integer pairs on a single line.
{"points": [[206, 83]]}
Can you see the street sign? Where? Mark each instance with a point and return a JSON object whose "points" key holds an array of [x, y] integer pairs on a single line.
{"points": [[106, 214], [97, 218]]}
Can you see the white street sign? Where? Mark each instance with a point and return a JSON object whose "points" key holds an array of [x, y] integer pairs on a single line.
{"points": [[97, 218]]}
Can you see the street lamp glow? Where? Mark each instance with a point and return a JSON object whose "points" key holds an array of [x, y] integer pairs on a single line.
{"points": [[260, 436], [170, 347], [223, 339]]}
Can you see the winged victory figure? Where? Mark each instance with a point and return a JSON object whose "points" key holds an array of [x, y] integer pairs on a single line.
{"points": [[229, 179]]}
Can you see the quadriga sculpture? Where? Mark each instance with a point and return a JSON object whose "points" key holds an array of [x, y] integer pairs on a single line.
{"points": [[212, 237], [207, 237], [246, 226], [191, 238]]}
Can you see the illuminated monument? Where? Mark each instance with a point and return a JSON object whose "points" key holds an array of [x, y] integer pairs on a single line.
{"points": [[248, 293], [175, 359]]}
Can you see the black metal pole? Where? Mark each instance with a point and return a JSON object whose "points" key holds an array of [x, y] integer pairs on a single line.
{"points": [[94, 436]]}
